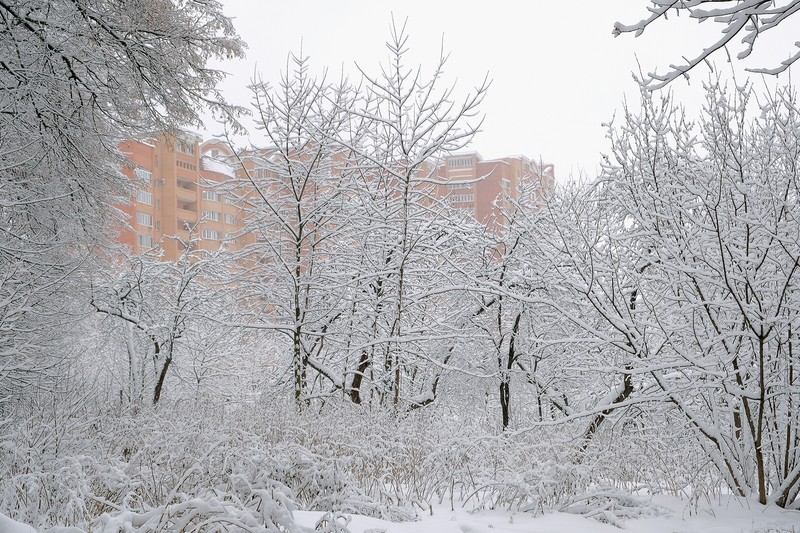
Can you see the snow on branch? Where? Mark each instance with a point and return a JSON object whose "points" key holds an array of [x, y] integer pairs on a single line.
{"points": [[749, 19]]}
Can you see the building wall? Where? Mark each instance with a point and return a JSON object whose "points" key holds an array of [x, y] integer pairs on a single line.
{"points": [[188, 193], [484, 189], [176, 187], [142, 157]]}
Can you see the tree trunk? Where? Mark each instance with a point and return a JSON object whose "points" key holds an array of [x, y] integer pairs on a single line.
{"points": [[162, 374], [358, 377], [505, 375]]}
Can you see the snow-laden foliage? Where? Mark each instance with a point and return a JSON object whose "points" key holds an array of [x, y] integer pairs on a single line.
{"points": [[142, 473], [372, 352], [77, 78], [361, 252], [748, 19], [674, 277], [205, 467]]}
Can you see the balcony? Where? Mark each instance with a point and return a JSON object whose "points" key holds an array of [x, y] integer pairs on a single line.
{"points": [[188, 205], [185, 220], [186, 185], [186, 194]]}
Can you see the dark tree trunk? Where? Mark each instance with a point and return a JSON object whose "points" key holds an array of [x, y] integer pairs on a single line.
{"points": [[505, 375], [358, 377]]}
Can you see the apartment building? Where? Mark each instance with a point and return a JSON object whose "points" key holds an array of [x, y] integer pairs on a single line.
{"points": [[181, 199], [190, 192], [486, 188]]}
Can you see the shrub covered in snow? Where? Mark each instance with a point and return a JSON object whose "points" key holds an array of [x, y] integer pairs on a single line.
{"points": [[208, 468]]}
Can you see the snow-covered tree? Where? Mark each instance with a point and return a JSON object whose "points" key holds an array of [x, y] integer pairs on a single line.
{"points": [[77, 77], [408, 239], [708, 212], [356, 255], [155, 306], [295, 208], [748, 19], [677, 275]]}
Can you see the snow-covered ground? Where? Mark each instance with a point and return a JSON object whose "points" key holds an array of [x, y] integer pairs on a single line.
{"points": [[734, 515], [11, 526]]}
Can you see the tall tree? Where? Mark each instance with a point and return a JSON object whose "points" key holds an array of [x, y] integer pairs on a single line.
{"points": [[682, 266], [714, 219], [295, 208], [76, 77], [408, 237], [356, 251]]}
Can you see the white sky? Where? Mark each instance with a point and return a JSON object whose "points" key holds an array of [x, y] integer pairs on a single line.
{"points": [[557, 72]]}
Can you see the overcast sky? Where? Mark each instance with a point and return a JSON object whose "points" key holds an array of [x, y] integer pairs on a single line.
{"points": [[557, 72]]}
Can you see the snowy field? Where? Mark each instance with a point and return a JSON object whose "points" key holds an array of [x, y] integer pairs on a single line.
{"points": [[731, 516], [668, 515]]}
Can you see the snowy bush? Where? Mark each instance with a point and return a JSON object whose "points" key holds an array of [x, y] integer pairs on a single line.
{"points": [[142, 473], [212, 467]]}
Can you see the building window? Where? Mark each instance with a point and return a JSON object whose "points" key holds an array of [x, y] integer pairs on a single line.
{"points": [[459, 162], [186, 147], [211, 234], [144, 175], [145, 241], [230, 219], [144, 219], [211, 215], [460, 198], [230, 200], [144, 197], [211, 195], [458, 185]]}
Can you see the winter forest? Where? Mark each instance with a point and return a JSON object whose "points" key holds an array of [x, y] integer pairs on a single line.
{"points": [[616, 351]]}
